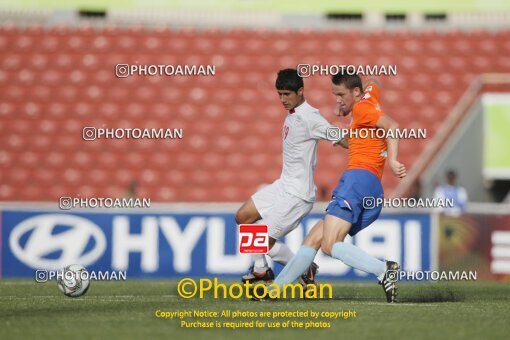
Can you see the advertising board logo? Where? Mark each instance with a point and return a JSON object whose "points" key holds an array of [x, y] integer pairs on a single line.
{"points": [[253, 239], [52, 241], [500, 252]]}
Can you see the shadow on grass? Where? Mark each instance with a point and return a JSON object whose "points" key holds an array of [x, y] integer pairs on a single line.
{"points": [[64, 307], [433, 294], [424, 294]]}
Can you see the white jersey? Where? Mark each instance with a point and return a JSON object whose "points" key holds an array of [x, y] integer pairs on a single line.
{"points": [[456, 194], [301, 132]]}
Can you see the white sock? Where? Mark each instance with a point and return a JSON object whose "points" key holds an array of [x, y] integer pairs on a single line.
{"points": [[260, 263], [281, 253]]}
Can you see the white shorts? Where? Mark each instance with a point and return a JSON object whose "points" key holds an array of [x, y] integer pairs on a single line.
{"points": [[281, 211]]}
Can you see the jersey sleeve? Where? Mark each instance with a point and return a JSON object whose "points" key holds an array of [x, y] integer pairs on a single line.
{"points": [[373, 90], [368, 110], [318, 127]]}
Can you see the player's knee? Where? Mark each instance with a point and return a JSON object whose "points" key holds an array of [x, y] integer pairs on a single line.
{"points": [[326, 247], [247, 214], [241, 217], [238, 217], [313, 240], [272, 242]]}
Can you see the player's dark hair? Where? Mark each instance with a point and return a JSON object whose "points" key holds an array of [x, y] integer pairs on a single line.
{"points": [[350, 81], [289, 80]]}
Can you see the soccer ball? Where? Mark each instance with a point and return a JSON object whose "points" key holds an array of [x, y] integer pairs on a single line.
{"points": [[74, 280]]}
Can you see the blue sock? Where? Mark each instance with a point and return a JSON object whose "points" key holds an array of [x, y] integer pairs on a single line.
{"points": [[297, 266], [357, 258]]}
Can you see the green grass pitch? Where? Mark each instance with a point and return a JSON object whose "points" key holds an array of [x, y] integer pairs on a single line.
{"points": [[126, 310]]}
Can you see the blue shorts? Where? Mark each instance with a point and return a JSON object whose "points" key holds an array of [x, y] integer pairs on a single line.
{"points": [[354, 199]]}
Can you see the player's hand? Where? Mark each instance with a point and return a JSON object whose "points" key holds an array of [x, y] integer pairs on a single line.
{"points": [[344, 143], [398, 168]]}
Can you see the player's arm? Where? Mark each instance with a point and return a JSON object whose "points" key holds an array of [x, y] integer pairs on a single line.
{"points": [[320, 128], [344, 143], [386, 123]]}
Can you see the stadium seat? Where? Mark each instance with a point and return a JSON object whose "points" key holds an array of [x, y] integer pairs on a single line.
{"points": [[56, 81]]}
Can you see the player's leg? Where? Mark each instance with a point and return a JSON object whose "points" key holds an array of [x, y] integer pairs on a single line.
{"points": [[313, 240], [260, 270], [347, 215], [248, 213], [343, 217], [264, 208], [289, 211], [302, 262], [388, 280], [335, 230], [279, 252]]}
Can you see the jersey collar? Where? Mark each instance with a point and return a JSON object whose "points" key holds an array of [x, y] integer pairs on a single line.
{"points": [[299, 108]]}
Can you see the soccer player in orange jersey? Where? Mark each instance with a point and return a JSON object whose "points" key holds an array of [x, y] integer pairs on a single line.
{"points": [[346, 213]]}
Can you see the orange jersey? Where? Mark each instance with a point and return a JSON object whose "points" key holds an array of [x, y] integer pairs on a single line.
{"points": [[367, 153]]}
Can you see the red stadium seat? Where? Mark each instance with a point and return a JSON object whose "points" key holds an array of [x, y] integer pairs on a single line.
{"points": [[9, 192], [56, 81]]}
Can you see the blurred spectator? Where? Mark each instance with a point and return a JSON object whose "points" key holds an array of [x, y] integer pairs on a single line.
{"points": [[131, 191], [416, 190], [454, 192], [324, 194]]}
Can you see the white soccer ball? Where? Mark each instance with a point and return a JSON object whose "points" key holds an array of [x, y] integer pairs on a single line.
{"points": [[74, 280]]}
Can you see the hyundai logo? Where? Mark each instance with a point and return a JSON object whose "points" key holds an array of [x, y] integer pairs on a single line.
{"points": [[70, 244]]}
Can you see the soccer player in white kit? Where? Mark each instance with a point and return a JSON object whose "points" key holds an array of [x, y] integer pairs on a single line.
{"points": [[284, 203]]}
